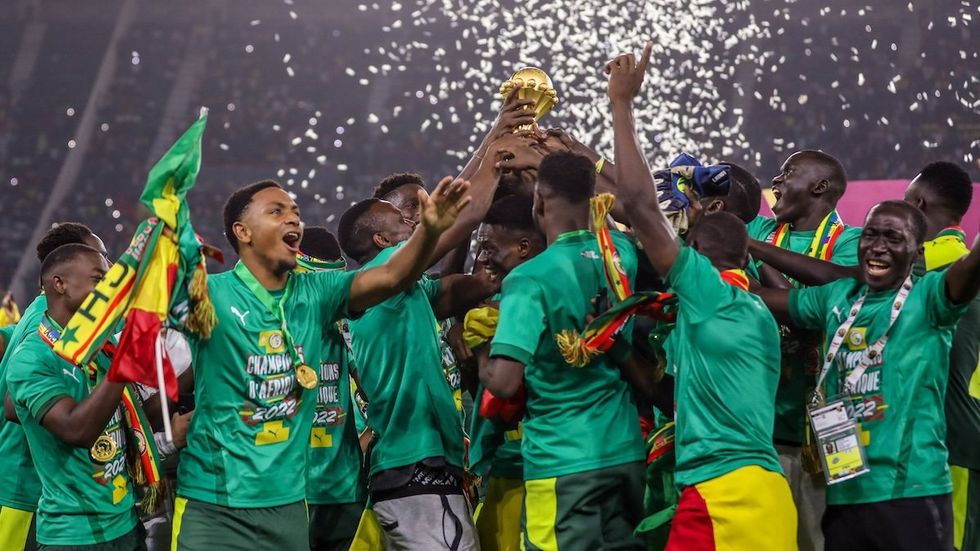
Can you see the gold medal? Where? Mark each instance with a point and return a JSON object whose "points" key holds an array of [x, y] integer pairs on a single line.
{"points": [[104, 449], [306, 377]]}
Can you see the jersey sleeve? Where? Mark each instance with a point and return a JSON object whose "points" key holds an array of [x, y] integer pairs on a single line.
{"points": [[431, 287], [808, 306], [698, 285], [845, 251], [522, 319], [35, 380], [331, 291], [760, 228], [941, 311]]}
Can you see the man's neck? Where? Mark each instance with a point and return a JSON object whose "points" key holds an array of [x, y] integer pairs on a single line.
{"points": [[267, 277], [811, 221], [568, 220], [58, 313], [937, 223]]}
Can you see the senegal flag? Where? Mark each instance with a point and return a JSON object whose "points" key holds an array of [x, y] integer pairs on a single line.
{"points": [[159, 281]]}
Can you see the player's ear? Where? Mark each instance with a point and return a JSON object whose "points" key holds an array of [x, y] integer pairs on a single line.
{"points": [[242, 233]]}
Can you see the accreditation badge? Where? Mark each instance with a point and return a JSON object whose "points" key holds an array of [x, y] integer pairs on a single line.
{"points": [[835, 431]]}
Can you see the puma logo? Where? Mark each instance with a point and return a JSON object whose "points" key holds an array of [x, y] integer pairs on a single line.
{"points": [[70, 373], [241, 316], [836, 312]]}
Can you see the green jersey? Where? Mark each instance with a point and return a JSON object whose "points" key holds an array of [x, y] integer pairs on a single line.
{"points": [[800, 349], [20, 487], [248, 441], [899, 399], [578, 419], [494, 451], [335, 451], [410, 405], [962, 409], [725, 355], [83, 502]]}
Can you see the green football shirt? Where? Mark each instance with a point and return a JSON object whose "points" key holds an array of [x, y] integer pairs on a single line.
{"points": [[82, 502], [410, 404], [800, 349], [20, 487], [899, 399], [248, 441], [578, 419], [724, 351], [494, 451], [963, 410], [335, 452]]}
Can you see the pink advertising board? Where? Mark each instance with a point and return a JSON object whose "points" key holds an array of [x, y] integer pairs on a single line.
{"points": [[863, 194]]}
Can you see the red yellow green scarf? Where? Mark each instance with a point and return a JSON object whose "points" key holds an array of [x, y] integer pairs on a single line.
{"points": [[822, 246], [736, 278], [140, 443], [579, 349]]}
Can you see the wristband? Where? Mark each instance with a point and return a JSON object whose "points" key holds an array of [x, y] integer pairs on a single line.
{"points": [[599, 165]]}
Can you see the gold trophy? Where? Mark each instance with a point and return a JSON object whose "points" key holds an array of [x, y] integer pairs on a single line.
{"points": [[533, 84]]}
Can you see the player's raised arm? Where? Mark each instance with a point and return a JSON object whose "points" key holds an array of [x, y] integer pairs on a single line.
{"points": [[633, 176], [963, 277], [438, 212]]}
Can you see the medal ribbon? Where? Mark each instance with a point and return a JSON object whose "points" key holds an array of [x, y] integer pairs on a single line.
{"points": [[875, 349], [308, 263], [822, 246], [276, 308]]}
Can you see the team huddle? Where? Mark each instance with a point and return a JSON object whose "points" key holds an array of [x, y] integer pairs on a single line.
{"points": [[552, 350]]}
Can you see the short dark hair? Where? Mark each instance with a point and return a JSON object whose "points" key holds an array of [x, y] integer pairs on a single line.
{"points": [[62, 234], [356, 229], [949, 183], [837, 176], [916, 217], [318, 242], [568, 175], [744, 193], [63, 255], [394, 181], [237, 203], [512, 212], [724, 230]]}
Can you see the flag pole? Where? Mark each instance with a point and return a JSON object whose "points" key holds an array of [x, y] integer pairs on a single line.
{"points": [[164, 406]]}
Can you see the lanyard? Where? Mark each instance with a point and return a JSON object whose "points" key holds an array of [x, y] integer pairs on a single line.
{"points": [[276, 308], [873, 351]]}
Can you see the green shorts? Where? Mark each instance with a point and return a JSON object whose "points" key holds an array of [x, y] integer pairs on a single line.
{"points": [[134, 540], [966, 508], [332, 527], [200, 526], [596, 509]]}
